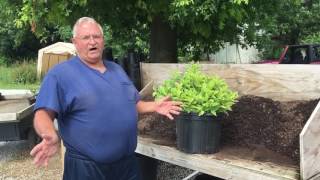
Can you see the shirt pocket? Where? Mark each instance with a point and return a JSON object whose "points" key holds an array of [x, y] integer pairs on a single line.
{"points": [[129, 91]]}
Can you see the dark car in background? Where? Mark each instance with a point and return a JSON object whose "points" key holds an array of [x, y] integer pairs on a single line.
{"points": [[297, 54]]}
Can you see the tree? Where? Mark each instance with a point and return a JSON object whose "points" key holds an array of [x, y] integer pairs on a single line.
{"points": [[273, 23], [14, 42], [171, 25]]}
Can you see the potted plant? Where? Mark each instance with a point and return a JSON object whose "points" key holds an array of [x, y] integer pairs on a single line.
{"points": [[205, 98]]}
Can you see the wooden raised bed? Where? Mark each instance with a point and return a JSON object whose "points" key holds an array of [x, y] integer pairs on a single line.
{"points": [[277, 82]]}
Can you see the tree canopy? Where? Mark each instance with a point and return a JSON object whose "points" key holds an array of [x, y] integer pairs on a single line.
{"points": [[14, 42], [273, 23], [202, 25], [193, 27]]}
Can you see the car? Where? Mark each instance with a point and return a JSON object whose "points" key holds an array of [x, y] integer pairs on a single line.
{"points": [[297, 54]]}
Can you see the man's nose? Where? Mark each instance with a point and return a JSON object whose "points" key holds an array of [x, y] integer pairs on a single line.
{"points": [[92, 39]]}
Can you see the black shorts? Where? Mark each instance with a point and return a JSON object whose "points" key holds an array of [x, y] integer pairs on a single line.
{"points": [[77, 167]]}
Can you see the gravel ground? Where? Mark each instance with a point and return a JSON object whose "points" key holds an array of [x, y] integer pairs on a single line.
{"points": [[16, 164], [167, 171]]}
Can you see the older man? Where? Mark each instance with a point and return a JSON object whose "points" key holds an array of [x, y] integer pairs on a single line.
{"points": [[96, 106]]}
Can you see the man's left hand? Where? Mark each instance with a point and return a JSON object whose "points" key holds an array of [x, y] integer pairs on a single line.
{"points": [[167, 107]]}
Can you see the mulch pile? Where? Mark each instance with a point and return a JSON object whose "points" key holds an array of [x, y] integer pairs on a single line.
{"points": [[253, 121]]}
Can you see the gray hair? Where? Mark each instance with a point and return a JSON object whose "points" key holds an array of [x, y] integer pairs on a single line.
{"points": [[84, 20]]}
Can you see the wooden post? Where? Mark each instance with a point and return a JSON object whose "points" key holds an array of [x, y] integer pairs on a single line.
{"points": [[310, 146]]}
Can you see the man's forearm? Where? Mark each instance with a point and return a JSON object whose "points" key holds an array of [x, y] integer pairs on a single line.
{"points": [[43, 122], [146, 107]]}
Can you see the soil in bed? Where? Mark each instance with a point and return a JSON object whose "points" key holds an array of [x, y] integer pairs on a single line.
{"points": [[257, 125]]}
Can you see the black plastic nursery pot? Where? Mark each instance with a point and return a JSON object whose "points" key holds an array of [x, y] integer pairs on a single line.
{"points": [[198, 134]]}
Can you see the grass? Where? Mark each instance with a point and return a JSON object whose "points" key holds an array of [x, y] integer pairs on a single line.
{"points": [[4, 74], [4, 85], [7, 77]]}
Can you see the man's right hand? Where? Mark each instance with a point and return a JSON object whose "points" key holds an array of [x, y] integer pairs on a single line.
{"points": [[43, 151]]}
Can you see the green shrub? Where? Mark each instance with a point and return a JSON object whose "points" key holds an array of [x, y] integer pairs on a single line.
{"points": [[24, 73], [199, 93]]}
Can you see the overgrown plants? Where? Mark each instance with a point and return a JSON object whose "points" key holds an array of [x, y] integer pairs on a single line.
{"points": [[19, 76]]}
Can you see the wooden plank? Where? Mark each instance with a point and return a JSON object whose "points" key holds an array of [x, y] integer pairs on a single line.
{"points": [[220, 164], [45, 64], [5, 117], [49, 60], [10, 94], [316, 177], [14, 110], [39, 64], [63, 57], [63, 150], [147, 90], [13, 106], [275, 81], [25, 112], [54, 60], [310, 146]]}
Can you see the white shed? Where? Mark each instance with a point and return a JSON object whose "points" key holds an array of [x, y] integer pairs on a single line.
{"points": [[234, 54], [52, 55]]}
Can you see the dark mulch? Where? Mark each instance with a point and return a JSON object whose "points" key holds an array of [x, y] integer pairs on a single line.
{"points": [[253, 121]]}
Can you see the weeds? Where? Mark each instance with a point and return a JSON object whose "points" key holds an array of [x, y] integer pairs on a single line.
{"points": [[19, 75], [25, 73]]}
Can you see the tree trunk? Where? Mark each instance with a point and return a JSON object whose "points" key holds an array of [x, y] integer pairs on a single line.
{"points": [[163, 42]]}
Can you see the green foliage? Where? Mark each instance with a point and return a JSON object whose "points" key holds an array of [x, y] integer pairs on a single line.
{"points": [[3, 61], [275, 23], [312, 38], [119, 41], [25, 73], [202, 25], [64, 32], [199, 93], [15, 42]]}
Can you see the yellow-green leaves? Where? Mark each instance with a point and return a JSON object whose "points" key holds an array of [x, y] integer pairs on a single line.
{"points": [[181, 3], [240, 1], [198, 92]]}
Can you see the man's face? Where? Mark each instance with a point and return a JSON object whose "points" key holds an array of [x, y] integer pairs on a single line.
{"points": [[89, 42]]}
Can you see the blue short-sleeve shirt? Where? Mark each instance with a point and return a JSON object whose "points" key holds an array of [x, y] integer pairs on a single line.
{"points": [[96, 112]]}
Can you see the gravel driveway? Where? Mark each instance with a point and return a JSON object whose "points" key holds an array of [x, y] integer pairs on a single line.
{"points": [[16, 164]]}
